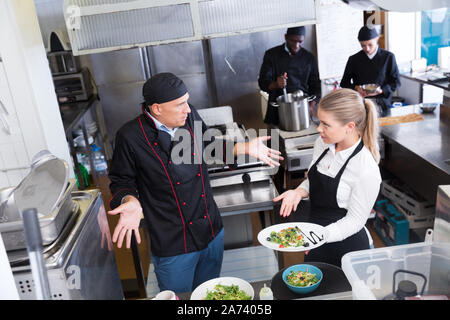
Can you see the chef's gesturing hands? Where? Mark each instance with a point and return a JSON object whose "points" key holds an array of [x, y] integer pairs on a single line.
{"points": [[291, 199], [257, 149], [130, 216]]}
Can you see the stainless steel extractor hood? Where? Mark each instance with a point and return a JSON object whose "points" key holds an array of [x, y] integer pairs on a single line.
{"points": [[107, 25], [398, 5]]}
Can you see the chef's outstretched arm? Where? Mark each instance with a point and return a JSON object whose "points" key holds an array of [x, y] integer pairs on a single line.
{"points": [[257, 149]]}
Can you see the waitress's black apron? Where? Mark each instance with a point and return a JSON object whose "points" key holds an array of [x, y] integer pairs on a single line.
{"points": [[325, 210]]}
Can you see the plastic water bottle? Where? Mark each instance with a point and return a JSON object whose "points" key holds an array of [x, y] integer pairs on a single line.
{"points": [[100, 164], [265, 293]]}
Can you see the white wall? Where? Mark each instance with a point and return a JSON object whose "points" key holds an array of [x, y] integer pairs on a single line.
{"points": [[403, 39], [34, 111]]}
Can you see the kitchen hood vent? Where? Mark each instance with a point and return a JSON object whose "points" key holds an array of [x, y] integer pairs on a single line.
{"points": [[106, 25], [398, 5]]}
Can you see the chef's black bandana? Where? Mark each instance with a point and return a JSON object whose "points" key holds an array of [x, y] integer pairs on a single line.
{"points": [[367, 33], [163, 87], [297, 31]]}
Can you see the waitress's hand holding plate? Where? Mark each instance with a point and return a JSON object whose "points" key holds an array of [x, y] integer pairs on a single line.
{"points": [[290, 200]]}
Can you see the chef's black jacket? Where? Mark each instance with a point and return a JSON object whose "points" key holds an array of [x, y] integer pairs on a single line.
{"points": [[381, 69], [302, 72], [176, 199]]}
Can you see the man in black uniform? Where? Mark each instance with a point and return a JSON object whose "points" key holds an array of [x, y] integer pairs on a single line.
{"points": [[372, 65], [291, 66], [174, 197]]}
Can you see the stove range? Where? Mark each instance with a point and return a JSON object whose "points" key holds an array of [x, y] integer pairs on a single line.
{"points": [[297, 147]]}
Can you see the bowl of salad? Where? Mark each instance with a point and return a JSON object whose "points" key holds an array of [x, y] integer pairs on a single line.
{"points": [[224, 288], [302, 278]]}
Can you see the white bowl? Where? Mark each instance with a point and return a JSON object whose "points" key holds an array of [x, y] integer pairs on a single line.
{"points": [[200, 292]]}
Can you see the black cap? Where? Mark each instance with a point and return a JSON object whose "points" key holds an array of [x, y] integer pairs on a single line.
{"points": [[163, 87], [367, 33], [297, 31]]}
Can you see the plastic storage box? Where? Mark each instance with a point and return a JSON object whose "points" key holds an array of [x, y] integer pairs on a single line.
{"points": [[408, 199], [370, 272]]}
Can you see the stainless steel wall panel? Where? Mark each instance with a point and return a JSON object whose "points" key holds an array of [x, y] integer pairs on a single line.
{"points": [[178, 58], [121, 103], [117, 67], [237, 61], [186, 61]]}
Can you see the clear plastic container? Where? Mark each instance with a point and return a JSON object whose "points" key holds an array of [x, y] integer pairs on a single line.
{"points": [[370, 272]]}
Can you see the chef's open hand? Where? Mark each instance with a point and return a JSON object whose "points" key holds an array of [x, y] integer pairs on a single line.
{"points": [[291, 199], [257, 149], [130, 216]]}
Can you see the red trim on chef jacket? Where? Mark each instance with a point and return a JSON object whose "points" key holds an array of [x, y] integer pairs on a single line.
{"points": [[203, 184], [170, 181]]}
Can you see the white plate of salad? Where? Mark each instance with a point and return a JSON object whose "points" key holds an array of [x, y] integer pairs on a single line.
{"points": [[293, 236], [224, 288]]}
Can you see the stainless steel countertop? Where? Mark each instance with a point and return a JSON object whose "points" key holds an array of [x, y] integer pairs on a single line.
{"points": [[429, 138], [233, 196]]}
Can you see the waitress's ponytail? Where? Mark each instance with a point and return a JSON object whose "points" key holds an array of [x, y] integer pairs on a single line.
{"points": [[371, 130], [347, 105]]}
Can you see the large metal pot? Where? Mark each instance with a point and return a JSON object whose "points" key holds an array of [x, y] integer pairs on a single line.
{"points": [[293, 113]]}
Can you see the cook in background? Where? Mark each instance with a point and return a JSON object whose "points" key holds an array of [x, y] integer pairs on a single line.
{"points": [[291, 66], [176, 200], [372, 65], [343, 179]]}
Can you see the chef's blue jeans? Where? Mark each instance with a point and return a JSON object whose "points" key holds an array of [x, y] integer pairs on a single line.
{"points": [[184, 272]]}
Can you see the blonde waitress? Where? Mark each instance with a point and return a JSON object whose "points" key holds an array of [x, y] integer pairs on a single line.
{"points": [[343, 179]]}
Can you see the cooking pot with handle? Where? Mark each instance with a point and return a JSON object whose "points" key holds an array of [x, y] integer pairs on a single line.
{"points": [[293, 113]]}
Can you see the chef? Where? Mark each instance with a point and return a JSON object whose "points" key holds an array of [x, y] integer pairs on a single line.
{"points": [[343, 178], [175, 198], [288, 65], [372, 65]]}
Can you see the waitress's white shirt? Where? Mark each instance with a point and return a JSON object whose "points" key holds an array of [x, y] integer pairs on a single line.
{"points": [[357, 190]]}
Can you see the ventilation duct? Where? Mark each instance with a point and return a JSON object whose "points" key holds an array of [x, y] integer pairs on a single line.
{"points": [[107, 25]]}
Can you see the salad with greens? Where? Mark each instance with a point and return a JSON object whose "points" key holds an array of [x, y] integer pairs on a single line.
{"points": [[289, 237], [222, 292], [301, 278]]}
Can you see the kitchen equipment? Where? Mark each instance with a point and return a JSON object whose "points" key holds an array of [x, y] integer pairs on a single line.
{"points": [[34, 248], [333, 281], [46, 188], [9, 290], [428, 107], [200, 292], [304, 268], [293, 111], [73, 87], [80, 262], [63, 62], [370, 88], [297, 147], [406, 288], [390, 224]]}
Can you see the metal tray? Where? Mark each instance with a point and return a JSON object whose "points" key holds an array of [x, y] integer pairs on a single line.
{"points": [[51, 223]]}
